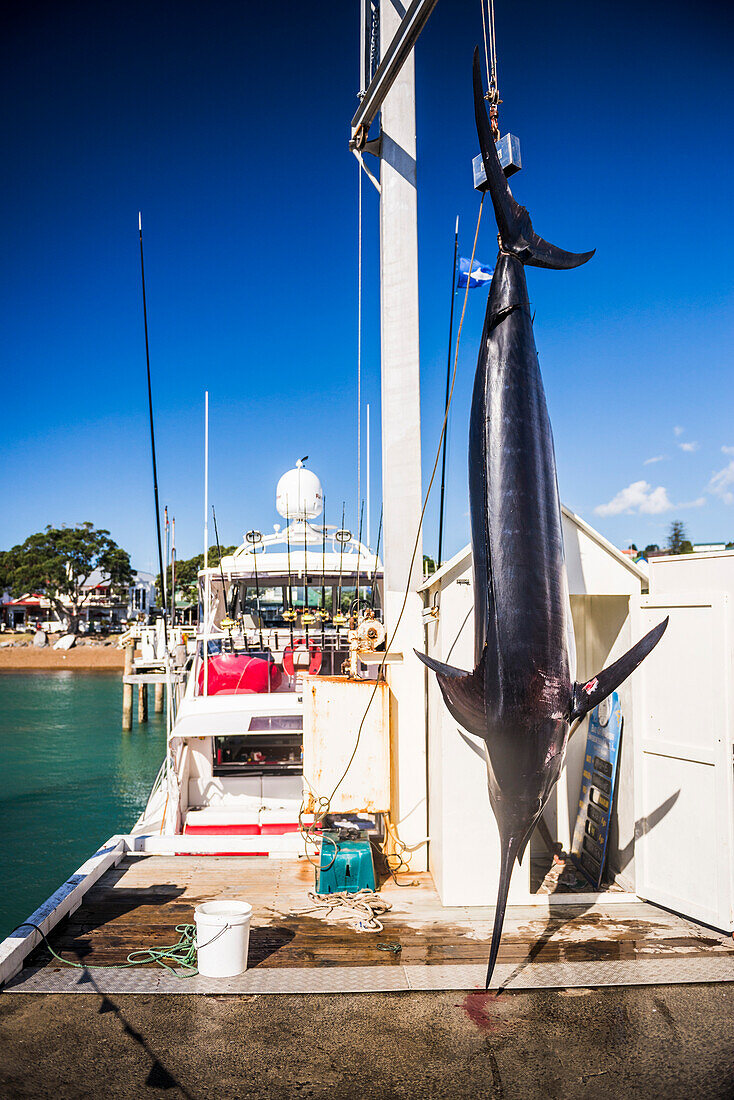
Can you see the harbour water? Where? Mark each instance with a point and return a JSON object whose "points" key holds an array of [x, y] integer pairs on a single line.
{"points": [[70, 778]]}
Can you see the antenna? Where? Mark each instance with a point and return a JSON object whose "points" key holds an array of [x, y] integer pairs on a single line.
{"points": [[152, 434]]}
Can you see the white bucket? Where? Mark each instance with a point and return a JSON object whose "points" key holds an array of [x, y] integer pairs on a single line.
{"points": [[222, 937]]}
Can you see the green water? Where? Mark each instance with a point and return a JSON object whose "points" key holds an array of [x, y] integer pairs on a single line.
{"points": [[70, 778]]}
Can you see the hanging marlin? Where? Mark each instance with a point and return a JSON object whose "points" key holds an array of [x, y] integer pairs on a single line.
{"points": [[521, 697]]}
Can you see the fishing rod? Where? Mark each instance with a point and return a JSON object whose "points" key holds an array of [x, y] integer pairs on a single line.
{"points": [[306, 615], [152, 436], [359, 555], [290, 613], [250, 536], [221, 574], [323, 569], [173, 572], [377, 557], [340, 537]]}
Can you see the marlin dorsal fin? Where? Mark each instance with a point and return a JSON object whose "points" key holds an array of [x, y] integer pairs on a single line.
{"points": [[463, 693], [587, 696]]}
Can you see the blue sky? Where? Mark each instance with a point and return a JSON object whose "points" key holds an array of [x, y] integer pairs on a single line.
{"points": [[228, 128]]}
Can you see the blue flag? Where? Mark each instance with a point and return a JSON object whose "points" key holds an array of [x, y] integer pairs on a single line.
{"points": [[480, 274]]}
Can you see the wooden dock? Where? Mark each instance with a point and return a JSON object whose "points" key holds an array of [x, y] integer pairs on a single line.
{"points": [[139, 903]]}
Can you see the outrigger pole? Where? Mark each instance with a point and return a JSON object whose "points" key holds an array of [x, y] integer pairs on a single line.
{"points": [[152, 438], [446, 402]]}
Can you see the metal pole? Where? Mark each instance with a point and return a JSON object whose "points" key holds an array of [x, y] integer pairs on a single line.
{"points": [[367, 472], [127, 689], [207, 581], [401, 441], [166, 530], [152, 429], [446, 401], [395, 56]]}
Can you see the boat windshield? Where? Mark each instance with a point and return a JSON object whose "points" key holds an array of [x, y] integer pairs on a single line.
{"points": [[274, 601]]}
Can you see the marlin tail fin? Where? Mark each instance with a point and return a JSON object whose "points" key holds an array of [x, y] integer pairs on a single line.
{"points": [[587, 696], [463, 693], [516, 232], [511, 848]]}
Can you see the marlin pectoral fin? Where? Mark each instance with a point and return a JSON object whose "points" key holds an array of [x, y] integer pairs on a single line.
{"points": [[513, 221], [463, 693], [475, 748], [587, 696]]}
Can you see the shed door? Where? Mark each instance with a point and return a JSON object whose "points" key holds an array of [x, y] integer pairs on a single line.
{"points": [[683, 760]]}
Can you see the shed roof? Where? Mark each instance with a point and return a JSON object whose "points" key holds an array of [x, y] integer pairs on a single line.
{"points": [[594, 565]]}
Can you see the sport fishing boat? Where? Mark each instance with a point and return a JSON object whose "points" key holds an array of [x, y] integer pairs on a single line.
{"points": [[302, 600]]}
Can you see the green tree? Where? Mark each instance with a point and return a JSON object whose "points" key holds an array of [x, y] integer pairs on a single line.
{"points": [[187, 571], [651, 548], [678, 541], [59, 561]]}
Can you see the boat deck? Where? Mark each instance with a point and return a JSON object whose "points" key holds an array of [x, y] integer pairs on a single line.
{"points": [[297, 947]]}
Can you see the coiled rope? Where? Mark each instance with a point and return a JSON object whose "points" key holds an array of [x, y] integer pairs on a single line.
{"points": [[363, 908]]}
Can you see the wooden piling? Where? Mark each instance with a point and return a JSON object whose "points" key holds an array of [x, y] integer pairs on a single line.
{"points": [[159, 698], [127, 691], [142, 702]]}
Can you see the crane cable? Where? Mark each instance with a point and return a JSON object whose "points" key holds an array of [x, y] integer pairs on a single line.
{"points": [[490, 59], [323, 803]]}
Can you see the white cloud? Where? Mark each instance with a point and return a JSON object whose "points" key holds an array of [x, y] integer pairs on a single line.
{"points": [[641, 498], [689, 447], [722, 484], [727, 450], [637, 497], [656, 458], [677, 430]]}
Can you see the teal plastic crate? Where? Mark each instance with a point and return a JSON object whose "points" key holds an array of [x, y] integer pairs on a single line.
{"points": [[345, 865]]}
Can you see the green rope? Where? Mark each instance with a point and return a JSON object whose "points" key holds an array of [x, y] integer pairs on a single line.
{"points": [[182, 954]]}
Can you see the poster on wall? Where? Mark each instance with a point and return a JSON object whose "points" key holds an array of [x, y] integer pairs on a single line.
{"points": [[599, 774]]}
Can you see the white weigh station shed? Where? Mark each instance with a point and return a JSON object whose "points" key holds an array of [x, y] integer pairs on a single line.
{"points": [[670, 840]]}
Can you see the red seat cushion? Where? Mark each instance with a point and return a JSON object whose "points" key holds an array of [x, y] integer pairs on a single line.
{"points": [[239, 674]]}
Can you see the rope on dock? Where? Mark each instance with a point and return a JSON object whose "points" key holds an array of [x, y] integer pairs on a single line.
{"points": [[363, 908], [181, 954]]}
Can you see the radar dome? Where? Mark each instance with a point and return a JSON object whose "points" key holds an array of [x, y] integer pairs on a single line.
{"points": [[299, 494]]}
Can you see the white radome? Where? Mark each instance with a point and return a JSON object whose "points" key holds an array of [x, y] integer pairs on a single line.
{"points": [[299, 494]]}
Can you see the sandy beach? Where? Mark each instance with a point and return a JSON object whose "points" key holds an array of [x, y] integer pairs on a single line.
{"points": [[90, 656]]}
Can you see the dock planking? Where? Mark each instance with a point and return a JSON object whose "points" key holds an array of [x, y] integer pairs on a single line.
{"points": [[139, 903]]}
